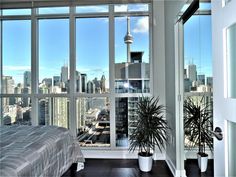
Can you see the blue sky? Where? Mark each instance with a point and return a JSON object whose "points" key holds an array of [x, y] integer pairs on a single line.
{"points": [[92, 45], [16, 48], [92, 42], [198, 43]]}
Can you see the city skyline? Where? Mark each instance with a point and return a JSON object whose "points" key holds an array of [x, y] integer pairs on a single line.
{"points": [[16, 68], [54, 51], [198, 43]]}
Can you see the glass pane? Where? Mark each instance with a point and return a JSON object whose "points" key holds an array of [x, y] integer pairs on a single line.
{"points": [[54, 56], [16, 56], [131, 8], [16, 110], [198, 76], [198, 54], [205, 6], [93, 121], [53, 10], [231, 137], [16, 12], [125, 119], [132, 68], [54, 111], [231, 61], [92, 9], [92, 55]]}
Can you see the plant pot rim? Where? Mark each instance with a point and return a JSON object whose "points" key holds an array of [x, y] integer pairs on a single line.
{"points": [[145, 154], [202, 154]]}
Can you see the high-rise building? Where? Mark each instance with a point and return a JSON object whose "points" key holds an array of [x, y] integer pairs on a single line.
{"points": [[26, 100], [47, 82], [81, 109], [56, 80], [64, 78], [60, 112], [192, 72], [78, 81], [103, 84], [44, 117], [64, 74], [185, 73], [7, 84], [8, 88], [90, 87], [201, 79], [44, 89], [18, 90], [209, 81], [19, 113], [27, 79], [97, 85], [83, 82], [121, 121], [136, 57], [187, 85], [132, 77]]}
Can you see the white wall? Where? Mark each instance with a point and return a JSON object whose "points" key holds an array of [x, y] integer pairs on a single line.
{"points": [[224, 108], [164, 19]]}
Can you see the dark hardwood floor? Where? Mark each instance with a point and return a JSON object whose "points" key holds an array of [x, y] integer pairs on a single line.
{"points": [[129, 168], [120, 168], [192, 170]]}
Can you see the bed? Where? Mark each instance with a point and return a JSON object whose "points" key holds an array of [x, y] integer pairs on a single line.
{"points": [[39, 151]]}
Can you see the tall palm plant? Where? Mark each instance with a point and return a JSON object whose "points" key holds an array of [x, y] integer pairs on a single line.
{"points": [[198, 124], [150, 128]]}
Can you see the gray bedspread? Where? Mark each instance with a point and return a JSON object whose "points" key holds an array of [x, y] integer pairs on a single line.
{"points": [[42, 151]]}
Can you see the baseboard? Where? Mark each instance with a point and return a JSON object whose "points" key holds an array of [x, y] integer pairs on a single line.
{"points": [[174, 171], [116, 154], [109, 154]]}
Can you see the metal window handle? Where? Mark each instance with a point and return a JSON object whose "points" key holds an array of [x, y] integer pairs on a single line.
{"points": [[218, 133]]}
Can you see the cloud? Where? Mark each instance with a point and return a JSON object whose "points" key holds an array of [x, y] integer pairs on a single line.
{"points": [[142, 25], [131, 8], [17, 68], [83, 9], [121, 8], [93, 70], [139, 7]]}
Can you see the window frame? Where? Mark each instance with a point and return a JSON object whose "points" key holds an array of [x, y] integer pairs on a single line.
{"points": [[73, 95]]}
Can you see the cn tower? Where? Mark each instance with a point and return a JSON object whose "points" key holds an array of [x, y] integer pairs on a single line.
{"points": [[128, 39]]}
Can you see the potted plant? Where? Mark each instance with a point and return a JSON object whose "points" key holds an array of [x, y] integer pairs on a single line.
{"points": [[198, 127], [150, 131]]}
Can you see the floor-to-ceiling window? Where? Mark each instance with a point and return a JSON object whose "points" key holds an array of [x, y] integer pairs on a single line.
{"points": [[16, 70], [198, 75], [53, 75], [132, 66], [79, 67]]}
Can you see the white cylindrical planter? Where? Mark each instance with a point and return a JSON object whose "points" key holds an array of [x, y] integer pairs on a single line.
{"points": [[145, 163], [202, 162]]}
